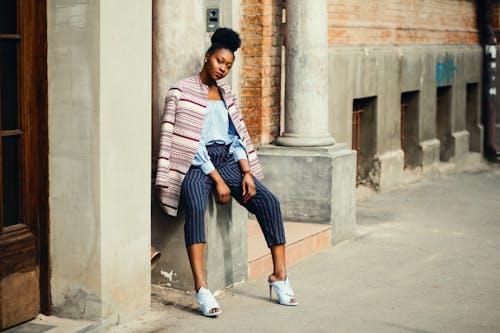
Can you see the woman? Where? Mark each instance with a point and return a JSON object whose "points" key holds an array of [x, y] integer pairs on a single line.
{"points": [[205, 146]]}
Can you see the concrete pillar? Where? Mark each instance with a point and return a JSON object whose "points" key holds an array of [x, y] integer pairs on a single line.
{"points": [[306, 85], [99, 88]]}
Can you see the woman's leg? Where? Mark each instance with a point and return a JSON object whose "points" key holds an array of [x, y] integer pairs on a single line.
{"points": [[279, 263], [266, 207], [194, 194], [196, 257]]}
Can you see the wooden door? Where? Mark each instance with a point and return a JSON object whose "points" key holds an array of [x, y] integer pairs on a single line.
{"points": [[23, 161]]}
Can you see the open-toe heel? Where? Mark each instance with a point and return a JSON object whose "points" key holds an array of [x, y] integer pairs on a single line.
{"points": [[284, 290], [207, 302]]}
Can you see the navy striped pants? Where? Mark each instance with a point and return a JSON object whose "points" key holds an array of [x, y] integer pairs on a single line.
{"points": [[197, 186]]}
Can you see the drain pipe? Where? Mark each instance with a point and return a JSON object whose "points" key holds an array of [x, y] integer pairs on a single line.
{"points": [[488, 41]]}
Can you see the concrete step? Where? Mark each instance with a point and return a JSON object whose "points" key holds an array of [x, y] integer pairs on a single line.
{"points": [[303, 239]]}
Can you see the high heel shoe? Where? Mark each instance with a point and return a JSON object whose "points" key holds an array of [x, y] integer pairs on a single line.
{"points": [[207, 302], [284, 290]]}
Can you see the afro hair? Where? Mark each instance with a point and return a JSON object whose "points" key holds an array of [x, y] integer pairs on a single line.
{"points": [[225, 38]]}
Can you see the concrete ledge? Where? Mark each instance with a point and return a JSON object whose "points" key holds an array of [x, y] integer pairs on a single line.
{"points": [[314, 185], [225, 250]]}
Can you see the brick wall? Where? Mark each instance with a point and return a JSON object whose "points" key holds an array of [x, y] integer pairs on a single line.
{"points": [[261, 68], [350, 22], [495, 15], [495, 19], [402, 22]]}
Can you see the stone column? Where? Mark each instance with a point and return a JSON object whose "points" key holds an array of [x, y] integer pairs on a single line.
{"points": [[314, 178], [306, 90]]}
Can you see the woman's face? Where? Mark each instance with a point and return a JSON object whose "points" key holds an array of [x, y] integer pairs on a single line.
{"points": [[219, 64]]}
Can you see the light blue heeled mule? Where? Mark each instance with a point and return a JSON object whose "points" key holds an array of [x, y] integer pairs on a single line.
{"points": [[207, 302], [284, 290]]}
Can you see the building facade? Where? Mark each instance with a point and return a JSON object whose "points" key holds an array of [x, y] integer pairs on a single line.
{"points": [[334, 93]]}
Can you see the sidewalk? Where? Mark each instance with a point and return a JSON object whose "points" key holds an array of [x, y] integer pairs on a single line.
{"points": [[426, 259]]}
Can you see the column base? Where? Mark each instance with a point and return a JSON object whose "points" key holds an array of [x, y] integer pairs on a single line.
{"points": [[316, 185], [461, 141], [390, 167], [430, 157], [291, 140]]}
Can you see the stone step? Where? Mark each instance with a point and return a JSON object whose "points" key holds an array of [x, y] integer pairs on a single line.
{"points": [[303, 239]]}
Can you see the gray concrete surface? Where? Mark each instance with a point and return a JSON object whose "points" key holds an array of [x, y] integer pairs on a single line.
{"points": [[99, 132], [319, 187], [426, 259]]}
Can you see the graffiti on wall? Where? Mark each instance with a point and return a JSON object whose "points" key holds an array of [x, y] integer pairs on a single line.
{"points": [[445, 71]]}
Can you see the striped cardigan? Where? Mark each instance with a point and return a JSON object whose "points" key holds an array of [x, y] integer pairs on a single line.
{"points": [[180, 133]]}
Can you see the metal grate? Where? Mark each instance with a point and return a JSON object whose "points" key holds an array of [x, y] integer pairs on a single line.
{"points": [[356, 135], [356, 129], [404, 109]]}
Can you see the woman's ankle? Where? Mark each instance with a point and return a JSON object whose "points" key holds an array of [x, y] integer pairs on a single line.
{"points": [[197, 286], [278, 276]]}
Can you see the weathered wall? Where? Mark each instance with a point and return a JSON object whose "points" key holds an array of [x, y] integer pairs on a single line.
{"points": [[226, 259], [386, 72], [402, 22], [381, 49], [99, 77]]}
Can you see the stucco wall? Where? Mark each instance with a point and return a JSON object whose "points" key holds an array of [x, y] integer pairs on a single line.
{"points": [[99, 76]]}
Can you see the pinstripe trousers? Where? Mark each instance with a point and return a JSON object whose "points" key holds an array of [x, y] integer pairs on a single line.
{"points": [[197, 186]]}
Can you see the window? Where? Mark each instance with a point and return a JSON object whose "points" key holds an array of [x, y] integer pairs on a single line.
{"points": [[10, 127]]}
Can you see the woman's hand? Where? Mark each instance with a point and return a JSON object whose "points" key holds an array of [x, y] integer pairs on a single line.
{"points": [[223, 192], [248, 187]]}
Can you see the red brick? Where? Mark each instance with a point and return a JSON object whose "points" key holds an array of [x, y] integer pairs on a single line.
{"points": [[402, 22], [261, 28]]}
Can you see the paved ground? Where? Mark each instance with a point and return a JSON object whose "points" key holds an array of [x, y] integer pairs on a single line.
{"points": [[426, 259]]}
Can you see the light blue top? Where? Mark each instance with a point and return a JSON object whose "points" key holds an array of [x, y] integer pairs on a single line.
{"points": [[218, 128]]}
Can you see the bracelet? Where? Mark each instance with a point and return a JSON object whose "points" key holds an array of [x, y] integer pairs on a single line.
{"points": [[247, 171]]}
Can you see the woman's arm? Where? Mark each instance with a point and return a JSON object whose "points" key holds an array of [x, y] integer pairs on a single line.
{"points": [[224, 192], [247, 183], [166, 135]]}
